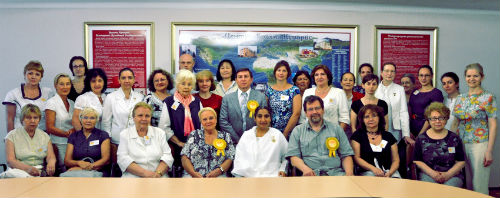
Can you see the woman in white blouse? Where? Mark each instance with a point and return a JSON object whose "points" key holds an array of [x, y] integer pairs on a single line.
{"points": [[335, 100], [95, 83], [59, 112], [261, 150], [450, 82], [226, 73], [117, 110], [143, 149]]}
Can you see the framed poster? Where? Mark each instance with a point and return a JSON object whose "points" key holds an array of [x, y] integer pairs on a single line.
{"points": [[113, 46], [260, 46], [407, 47]]}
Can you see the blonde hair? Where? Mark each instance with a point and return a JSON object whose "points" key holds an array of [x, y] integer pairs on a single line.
{"points": [[30, 108], [59, 76], [141, 104], [184, 75], [34, 65], [88, 110], [205, 74], [207, 109], [438, 107], [475, 66]]}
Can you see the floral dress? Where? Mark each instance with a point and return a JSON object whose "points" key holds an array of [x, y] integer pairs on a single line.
{"points": [[472, 112], [203, 156], [281, 104]]}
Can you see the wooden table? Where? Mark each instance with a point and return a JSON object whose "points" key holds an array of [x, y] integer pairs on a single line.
{"points": [[228, 187]]}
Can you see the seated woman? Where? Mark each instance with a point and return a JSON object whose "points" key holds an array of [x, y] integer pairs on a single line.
{"points": [[143, 149], [26, 147], [375, 150], [207, 152], [88, 149], [438, 152], [261, 150]]}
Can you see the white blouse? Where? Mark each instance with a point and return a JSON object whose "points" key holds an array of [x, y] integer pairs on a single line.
{"points": [[90, 99], [117, 113], [450, 103], [335, 102], [147, 151], [63, 117], [395, 97], [260, 156]]}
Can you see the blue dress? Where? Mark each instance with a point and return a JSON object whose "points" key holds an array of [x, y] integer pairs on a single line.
{"points": [[281, 105]]}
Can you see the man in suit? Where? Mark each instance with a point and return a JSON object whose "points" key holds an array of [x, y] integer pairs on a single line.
{"points": [[234, 117]]}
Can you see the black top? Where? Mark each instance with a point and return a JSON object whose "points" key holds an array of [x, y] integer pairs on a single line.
{"points": [[357, 105], [384, 157], [73, 94]]}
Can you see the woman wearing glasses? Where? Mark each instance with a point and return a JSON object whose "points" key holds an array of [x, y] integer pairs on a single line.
{"points": [[78, 67]]}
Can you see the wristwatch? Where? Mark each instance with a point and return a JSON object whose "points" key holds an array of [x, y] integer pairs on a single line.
{"points": [[221, 169]]}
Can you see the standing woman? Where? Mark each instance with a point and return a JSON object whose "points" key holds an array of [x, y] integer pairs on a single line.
{"points": [[348, 81], [29, 92], [450, 85], [78, 67], [370, 85], [302, 80], [59, 114], [421, 98], [476, 120], [205, 85], [408, 82], [96, 83], [284, 100], [226, 73], [180, 115], [364, 69], [334, 99], [159, 84]]}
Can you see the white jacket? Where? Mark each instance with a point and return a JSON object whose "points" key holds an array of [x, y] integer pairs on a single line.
{"points": [[395, 97]]}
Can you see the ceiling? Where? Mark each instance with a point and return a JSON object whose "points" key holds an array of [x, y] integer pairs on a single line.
{"points": [[485, 5]]}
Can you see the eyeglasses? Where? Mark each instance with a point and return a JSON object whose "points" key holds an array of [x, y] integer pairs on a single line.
{"points": [[314, 108], [438, 118], [88, 118], [160, 80]]}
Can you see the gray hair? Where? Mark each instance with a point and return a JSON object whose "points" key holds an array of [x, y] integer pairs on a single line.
{"points": [[59, 76], [184, 75], [88, 110]]}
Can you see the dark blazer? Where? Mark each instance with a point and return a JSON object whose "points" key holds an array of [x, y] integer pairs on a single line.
{"points": [[177, 116], [230, 119]]}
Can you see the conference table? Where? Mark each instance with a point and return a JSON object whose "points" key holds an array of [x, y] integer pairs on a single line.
{"points": [[328, 186]]}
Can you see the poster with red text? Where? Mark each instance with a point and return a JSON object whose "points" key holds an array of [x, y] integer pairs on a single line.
{"points": [[407, 48], [114, 47]]}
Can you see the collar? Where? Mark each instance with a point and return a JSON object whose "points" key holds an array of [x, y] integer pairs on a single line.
{"points": [[248, 92], [135, 135], [39, 92], [323, 126]]}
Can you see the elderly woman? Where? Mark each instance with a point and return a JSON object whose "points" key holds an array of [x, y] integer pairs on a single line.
{"points": [[78, 67], [370, 85], [204, 85], [408, 83], [226, 73], [143, 150], [261, 150], [438, 152], [208, 152], [284, 100], [334, 99], [180, 115], [450, 84], [96, 83], [59, 112], [116, 113], [476, 120], [26, 147], [29, 92], [88, 149], [302, 80], [159, 84], [363, 70], [375, 149]]}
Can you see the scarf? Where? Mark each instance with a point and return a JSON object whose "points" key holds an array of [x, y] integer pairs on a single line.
{"points": [[188, 122]]}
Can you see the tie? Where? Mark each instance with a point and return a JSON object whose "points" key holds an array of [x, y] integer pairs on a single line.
{"points": [[243, 109]]}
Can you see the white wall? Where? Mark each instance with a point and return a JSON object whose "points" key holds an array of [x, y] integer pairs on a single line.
{"points": [[54, 33]]}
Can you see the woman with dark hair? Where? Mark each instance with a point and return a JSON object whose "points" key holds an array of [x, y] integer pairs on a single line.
{"points": [[261, 150], [375, 149], [284, 100], [205, 85], [370, 85], [78, 67], [302, 80], [226, 73], [450, 85], [476, 120], [159, 85], [363, 70], [96, 83], [334, 99]]}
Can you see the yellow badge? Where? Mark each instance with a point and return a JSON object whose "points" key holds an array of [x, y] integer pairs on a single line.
{"points": [[332, 144], [220, 145], [274, 140], [252, 105]]}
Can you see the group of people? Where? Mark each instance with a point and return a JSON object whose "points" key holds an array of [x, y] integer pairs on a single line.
{"points": [[198, 125]]}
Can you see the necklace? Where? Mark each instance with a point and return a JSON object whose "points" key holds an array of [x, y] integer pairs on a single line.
{"points": [[372, 135]]}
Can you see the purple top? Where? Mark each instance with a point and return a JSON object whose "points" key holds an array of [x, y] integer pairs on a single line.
{"points": [[418, 102]]}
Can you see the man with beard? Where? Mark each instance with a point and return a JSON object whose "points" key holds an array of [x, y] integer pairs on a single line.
{"points": [[319, 147]]}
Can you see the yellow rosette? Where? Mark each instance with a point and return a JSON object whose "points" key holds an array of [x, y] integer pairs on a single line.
{"points": [[252, 105], [220, 145], [332, 144]]}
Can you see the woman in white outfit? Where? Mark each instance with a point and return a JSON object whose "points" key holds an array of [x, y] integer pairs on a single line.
{"points": [[96, 83]]}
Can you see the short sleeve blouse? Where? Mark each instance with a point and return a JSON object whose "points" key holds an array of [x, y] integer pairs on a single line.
{"points": [[383, 157], [472, 112], [87, 147]]}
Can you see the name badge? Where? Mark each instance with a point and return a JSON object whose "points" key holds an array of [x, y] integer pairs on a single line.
{"points": [[147, 140], [175, 105], [285, 97], [451, 149], [383, 143], [94, 142]]}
